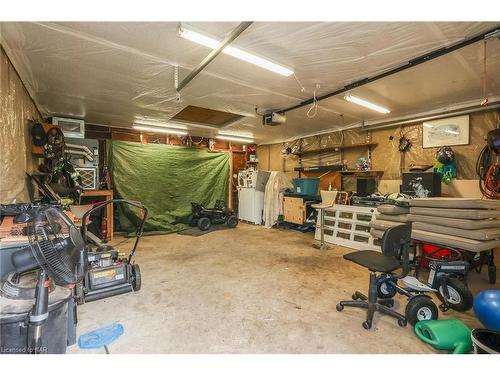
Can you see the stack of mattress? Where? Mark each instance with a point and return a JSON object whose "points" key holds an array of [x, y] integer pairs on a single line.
{"points": [[468, 224], [388, 215]]}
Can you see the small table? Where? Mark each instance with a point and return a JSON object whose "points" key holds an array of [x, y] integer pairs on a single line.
{"points": [[108, 194]]}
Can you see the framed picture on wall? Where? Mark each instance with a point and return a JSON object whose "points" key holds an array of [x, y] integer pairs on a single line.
{"points": [[451, 131]]}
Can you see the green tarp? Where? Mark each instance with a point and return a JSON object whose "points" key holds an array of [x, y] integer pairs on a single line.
{"points": [[166, 179]]}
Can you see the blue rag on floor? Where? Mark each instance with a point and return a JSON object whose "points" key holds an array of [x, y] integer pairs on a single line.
{"points": [[100, 337]]}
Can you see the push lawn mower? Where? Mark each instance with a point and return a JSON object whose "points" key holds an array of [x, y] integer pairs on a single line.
{"points": [[107, 272], [205, 217]]}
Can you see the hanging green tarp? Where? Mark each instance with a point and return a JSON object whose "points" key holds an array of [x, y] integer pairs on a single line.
{"points": [[166, 179]]}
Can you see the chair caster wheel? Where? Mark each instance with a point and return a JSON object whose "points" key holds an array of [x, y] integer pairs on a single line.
{"points": [[354, 297], [402, 322], [339, 307], [367, 325]]}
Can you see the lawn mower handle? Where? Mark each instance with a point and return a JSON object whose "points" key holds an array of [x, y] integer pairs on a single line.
{"points": [[101, 205]]}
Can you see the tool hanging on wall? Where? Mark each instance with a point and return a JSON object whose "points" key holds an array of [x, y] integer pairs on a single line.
{"points": [[404, 145], [38, 135], [54, 147], [488, 164]]}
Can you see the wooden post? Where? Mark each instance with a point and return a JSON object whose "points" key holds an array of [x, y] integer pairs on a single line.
{"points": [[230, 190]]}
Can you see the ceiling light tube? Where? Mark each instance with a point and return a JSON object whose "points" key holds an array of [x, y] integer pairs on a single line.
{"points": [[155, 129], [235, 139], [160, 124], [366, 104], [187, 32]]}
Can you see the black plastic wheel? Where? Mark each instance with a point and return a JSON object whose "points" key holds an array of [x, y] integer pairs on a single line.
{"points": [[385, 290], [232, 221], [420, 308], [492, 274], [204, 223], [192, 221], [461, 298], [339, 307], [402, 322], [136, 277], [367, 325]]}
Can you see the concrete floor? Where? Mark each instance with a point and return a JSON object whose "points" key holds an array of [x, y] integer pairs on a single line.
{"points": [[248, 290]]}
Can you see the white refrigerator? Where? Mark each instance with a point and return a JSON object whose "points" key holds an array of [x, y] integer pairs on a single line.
{"points": [[251, 187], [250, 205]]}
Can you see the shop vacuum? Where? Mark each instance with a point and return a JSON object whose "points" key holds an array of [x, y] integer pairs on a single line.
{"points": [[37, 309]]}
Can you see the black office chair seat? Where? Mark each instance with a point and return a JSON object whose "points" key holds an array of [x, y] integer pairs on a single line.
{"points": [[373, 260], [394, 255]]}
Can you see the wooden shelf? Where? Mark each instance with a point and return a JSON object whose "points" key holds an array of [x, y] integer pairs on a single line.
{"points": [[358, 145], [319, 168], [335, 149], [362, 173]]}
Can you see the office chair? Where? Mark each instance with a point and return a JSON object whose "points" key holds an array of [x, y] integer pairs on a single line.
{"points": [[394, 255], [327, 201]]}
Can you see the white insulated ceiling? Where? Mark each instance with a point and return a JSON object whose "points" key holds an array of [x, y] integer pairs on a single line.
{"points": [[114, 72]]}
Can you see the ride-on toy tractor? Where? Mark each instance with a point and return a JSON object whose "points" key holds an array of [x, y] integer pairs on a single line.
{"points": [[203, 217]]}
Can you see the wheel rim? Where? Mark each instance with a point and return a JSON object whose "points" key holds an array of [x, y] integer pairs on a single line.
{"points": [[455, 297], [424, 313], [384, 288]]}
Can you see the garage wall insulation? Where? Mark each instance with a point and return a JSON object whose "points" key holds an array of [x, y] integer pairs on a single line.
{"points": [[385, 156], [166, 179], [17, 109]]}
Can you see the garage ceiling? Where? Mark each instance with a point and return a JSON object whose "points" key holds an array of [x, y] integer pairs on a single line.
{"points": [[113, 73]]}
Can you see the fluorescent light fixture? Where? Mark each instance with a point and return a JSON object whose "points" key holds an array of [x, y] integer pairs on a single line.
{"points": [[189, 33], [156, 129], [234, 139], [365, 103], [160, 124]]}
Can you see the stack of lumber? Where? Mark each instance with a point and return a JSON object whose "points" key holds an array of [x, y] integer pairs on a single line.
{"points": [[468, 224], [388, 216]]}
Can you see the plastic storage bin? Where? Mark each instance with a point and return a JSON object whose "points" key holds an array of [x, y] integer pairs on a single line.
{"points": [[306, 186]]}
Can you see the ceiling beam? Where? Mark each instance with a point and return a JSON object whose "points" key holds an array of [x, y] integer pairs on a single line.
{"points": [[215, 52], [410, 64]]}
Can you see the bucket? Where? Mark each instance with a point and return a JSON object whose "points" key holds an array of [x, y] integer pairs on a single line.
{"points": [[14, 331], [485, 341], [306, 186]]}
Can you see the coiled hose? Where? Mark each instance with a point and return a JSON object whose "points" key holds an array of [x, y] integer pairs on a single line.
{"points": [[488, 171]]}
